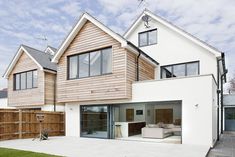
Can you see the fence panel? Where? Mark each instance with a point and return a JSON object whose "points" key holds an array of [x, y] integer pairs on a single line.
{"points": [[16, 124]]}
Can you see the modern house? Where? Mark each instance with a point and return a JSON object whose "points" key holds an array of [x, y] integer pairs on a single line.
{"points": [[157, 82], [3, 99]]}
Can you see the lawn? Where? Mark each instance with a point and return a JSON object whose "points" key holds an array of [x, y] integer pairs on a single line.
{"points": [[5, 152]]}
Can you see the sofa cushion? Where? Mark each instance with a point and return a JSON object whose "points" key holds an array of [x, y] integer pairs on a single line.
{"points": [[152, 126], [169, 126], [160, 124]]}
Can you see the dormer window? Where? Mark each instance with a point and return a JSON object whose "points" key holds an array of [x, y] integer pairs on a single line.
{"points": [[148, 38]]}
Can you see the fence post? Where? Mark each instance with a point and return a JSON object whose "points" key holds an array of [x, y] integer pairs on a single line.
{"points": [[20, 123]]}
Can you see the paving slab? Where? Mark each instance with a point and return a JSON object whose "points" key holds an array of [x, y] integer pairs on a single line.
{"points": [[89, 147], [225, 147]]}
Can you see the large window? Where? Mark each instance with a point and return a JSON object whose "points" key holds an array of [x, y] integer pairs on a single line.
{"points": [[25, 80], [94, 121], [90, 64], [183, 69], [148, 38]]}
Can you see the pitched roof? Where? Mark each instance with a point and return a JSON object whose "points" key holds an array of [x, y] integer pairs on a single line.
{"points": [[3, 94], [87, 17], [42, 59], [174, 28]]}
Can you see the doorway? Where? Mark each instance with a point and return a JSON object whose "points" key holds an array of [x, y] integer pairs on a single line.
{"points": [[95, 121]]}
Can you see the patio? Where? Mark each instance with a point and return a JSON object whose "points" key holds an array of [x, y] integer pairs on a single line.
{"points": [[89, 147]]}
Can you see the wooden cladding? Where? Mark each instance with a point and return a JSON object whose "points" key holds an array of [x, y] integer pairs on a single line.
{"points": [[16, 124], [50, 88], [109, 86], [34, 96], [113, 86], [40, 95], [146, 71]]}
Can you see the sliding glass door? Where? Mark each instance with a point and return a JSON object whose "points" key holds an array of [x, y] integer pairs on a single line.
{"points": [[95, 121]]}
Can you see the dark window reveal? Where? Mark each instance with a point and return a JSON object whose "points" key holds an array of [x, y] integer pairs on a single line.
{"points": [[25, 80], [148, 38]]}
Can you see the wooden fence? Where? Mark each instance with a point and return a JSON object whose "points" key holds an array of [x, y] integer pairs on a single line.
{"points": [[17, 124]]}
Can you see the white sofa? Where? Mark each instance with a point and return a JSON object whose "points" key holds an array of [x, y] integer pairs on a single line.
{"points": [[156, 131]]}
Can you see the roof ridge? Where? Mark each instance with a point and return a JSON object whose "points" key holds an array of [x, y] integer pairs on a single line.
{"points": [[31, 48], [51, 47]]}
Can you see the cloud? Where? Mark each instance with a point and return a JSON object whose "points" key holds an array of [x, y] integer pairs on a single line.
{"points": [[72, 8], [212, 21]]}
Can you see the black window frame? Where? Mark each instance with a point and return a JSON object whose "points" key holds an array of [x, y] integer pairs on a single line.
{"points": [[184, 63], [25, 72], [89, 74], [147, 32]]}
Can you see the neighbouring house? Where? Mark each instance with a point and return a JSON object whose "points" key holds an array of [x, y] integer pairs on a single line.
{"points": [[229, 112], [3, 99], [31, 80], [155, 83]]}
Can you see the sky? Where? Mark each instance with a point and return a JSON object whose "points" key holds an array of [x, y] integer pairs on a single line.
{"points": [[28, 22]]}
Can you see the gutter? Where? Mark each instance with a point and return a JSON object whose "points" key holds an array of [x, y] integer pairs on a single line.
{"points": [[220, 91], [137, 61], [137, 67], [223, 77], [224, 66]]}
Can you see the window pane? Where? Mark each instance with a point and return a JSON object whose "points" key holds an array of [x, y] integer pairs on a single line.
{"points": [[152, 37], [35, 79], [23, 80], [94, 120], [167, 72], [179, 70], [95, 63], [84, 65], [192, 69], [107, 61], [73, 67], [29, 79], [143, 39], [17, 81]]}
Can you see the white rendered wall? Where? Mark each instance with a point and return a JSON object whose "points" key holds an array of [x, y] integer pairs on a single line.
{"points": [[3, 104], [59, 108], [214, 111], [229, 100], [197, 124], [72, 119], [193, 91], [173, 48]]}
